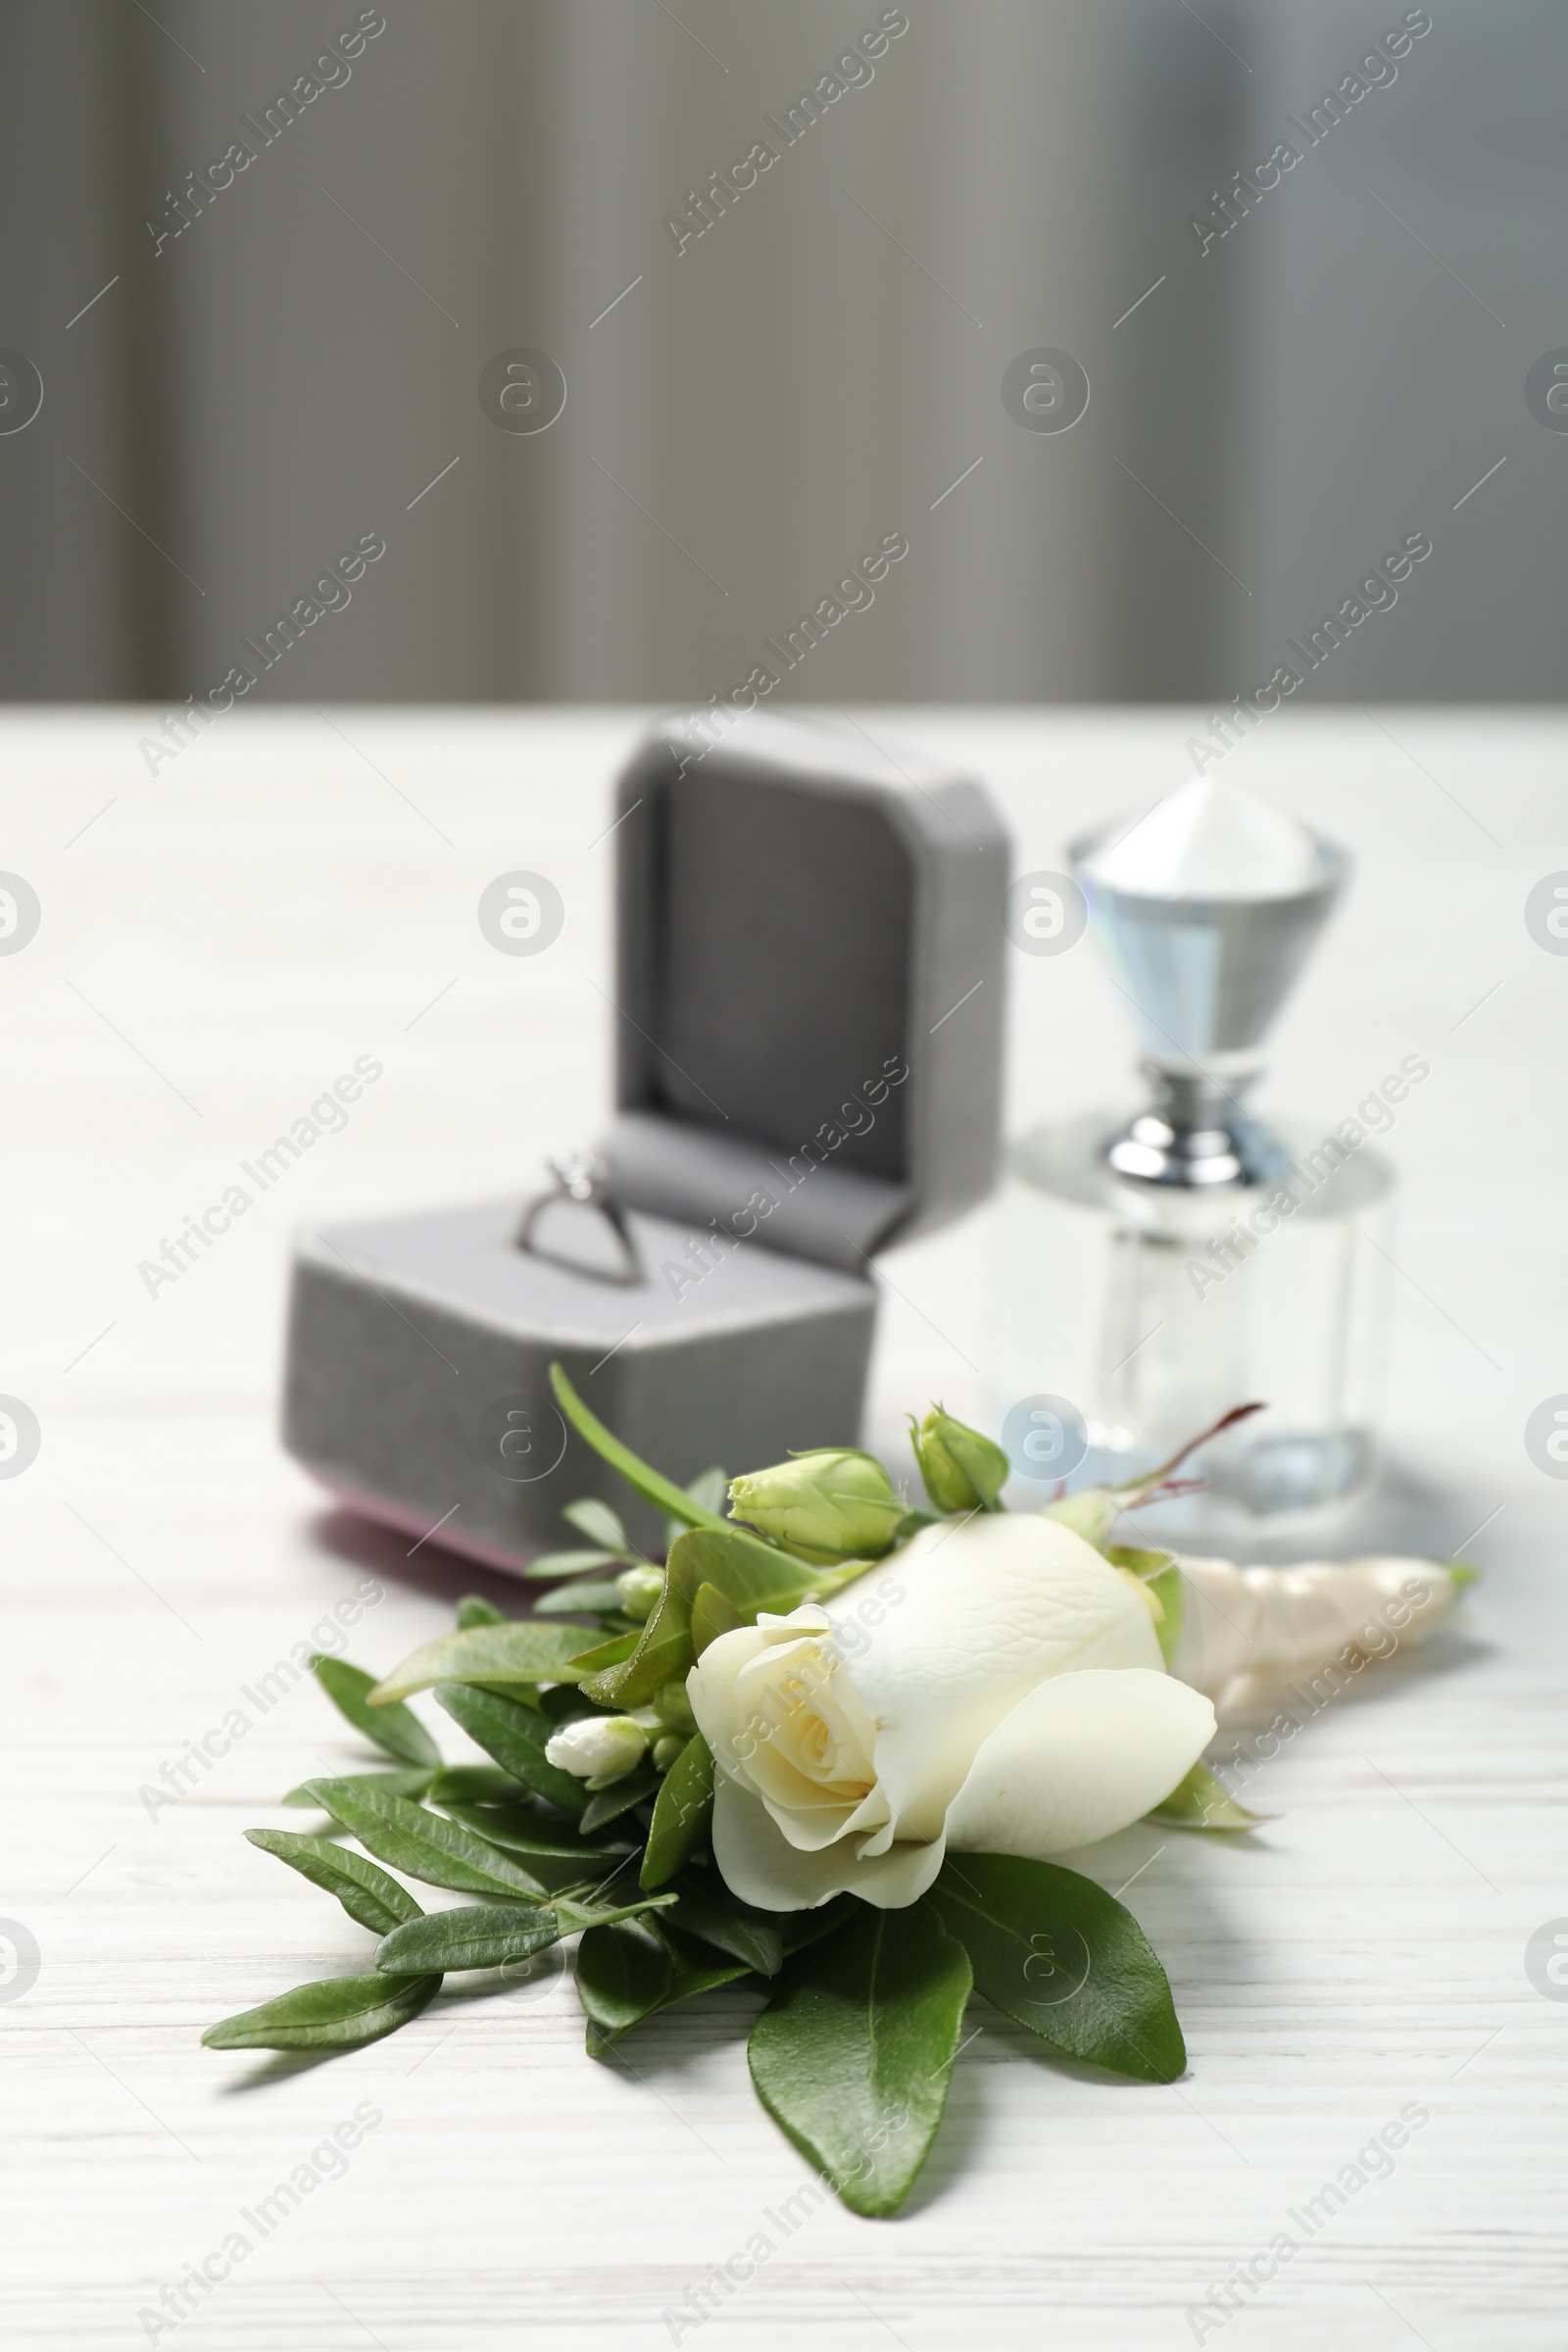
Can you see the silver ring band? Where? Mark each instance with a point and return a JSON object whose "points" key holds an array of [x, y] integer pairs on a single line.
{"points": [[583, 1178]]}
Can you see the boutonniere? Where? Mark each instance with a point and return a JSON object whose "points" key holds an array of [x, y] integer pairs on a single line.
{"points": [[831, 1746]]}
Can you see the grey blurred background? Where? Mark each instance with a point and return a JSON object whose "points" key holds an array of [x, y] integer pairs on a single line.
{"points": [[229, 410]]}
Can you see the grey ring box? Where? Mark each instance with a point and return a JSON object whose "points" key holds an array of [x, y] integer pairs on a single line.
{"points": [[809, 1025]]}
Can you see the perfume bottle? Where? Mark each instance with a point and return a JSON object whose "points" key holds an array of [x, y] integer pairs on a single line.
{"points": [[1155, 1272]]}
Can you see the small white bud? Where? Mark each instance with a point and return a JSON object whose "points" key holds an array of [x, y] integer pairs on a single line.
{"points": [[640, 1590], [599, 1748]]}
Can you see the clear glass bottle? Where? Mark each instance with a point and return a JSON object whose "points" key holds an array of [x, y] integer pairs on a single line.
{"points": [[1153, 1274]]}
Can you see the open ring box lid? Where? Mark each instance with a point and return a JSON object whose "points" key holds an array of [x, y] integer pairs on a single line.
{"points": [[809, 1019]]}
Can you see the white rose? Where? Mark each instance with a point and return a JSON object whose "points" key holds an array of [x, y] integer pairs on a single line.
{"points": [[998, 1688]]}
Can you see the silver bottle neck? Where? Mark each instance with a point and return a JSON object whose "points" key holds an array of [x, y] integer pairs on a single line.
{"points": [[1195, 1135]]}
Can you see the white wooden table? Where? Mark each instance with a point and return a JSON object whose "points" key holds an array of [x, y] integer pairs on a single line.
{"points": [[216, 944]]}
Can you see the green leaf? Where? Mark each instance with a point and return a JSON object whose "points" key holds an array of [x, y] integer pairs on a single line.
{"points": [[503, 1716], [609, 1804], [424, 1845], [673, 1707], [1063, 1957], [514, 1652], [396, 1731], [571, 1563], [663, 1653], [517, 1736], [489, 1934], [682, 1812], [475, 1609], [336, 2013], [486, 1937], [1159, 1573], [627, 1973], [715, 1916], [713, 1614], [477, 1785], [366, 1894], [590, 1665], [409, 1782], [749, 1574], [564, 1704], [662, 1493], [1202, 1801], [599, 1523], [803, 1928], [533, 1836], [853, 2055], [589, 1593]]}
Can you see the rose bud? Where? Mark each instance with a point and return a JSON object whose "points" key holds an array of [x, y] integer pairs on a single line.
{"points": [[830, 1506], [639, 1589], [597, 1749], [963, 1470]]}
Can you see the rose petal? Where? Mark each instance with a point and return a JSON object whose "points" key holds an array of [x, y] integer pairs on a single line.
{"points": [[1082, 1756], [759, 1863], [713, 1692], [971, 1618]]}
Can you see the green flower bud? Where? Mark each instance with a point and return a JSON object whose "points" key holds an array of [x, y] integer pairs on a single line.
{"points": [[668, 1752], [640, 1590], [963, 1470], [832, 1505]]}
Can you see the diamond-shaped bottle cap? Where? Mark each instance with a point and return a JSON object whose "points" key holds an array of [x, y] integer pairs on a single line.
{"points": [[1208, 905]]}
